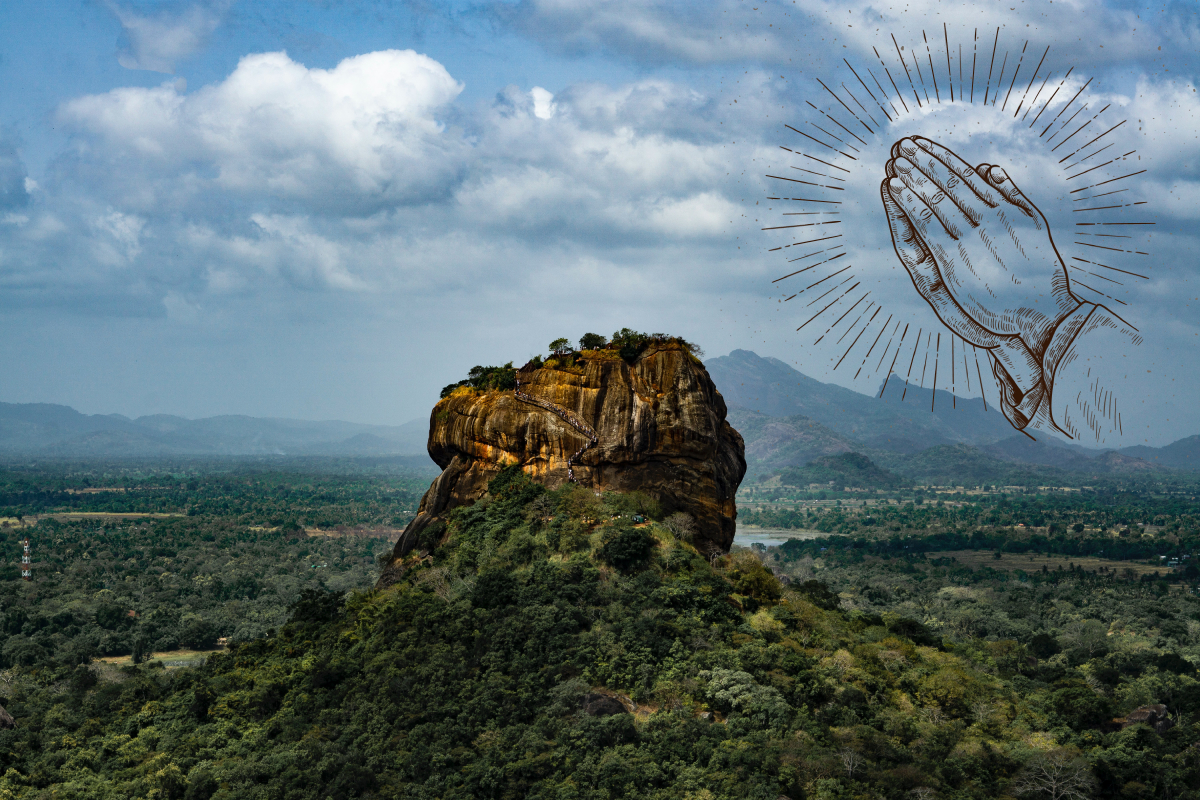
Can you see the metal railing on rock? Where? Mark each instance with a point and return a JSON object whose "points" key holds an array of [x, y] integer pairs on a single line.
{"points": [[566, 416]]}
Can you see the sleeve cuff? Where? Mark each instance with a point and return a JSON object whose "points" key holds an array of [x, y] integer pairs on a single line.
{"points": [[1063, 336]]}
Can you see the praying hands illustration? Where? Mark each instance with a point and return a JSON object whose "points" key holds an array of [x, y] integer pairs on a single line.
{"points": [[980, 253]]}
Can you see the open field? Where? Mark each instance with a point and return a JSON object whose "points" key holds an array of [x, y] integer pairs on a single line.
{"points": [[171, 659], [1033, 562]]}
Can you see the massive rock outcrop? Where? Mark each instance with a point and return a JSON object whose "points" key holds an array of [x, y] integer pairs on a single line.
{"points": [[660, 428]]}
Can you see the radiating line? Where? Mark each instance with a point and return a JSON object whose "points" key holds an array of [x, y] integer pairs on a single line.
{"points": [[840, 125], [826, 163], [883, 91], [1050, 99], [1041, 89], [1016, 72], [848, 108], [1094, 196], [811, 200], [932, 71], [806, 269], [1114, 249], [911, 361], [888, 72], [818, 141], [834, 135], [856, 338], [869, 92], [949, 68], [839, 297], [893, 365], [924, 88], [1093, 274], [839, 319], [974, 52], [1000, 80], [860, 105], [936, 357], [1064, 108], [871, 349], [1111, 180], [1102, 294], [1031, 80], [980, 376], [1072, 166], [825, 294], [966, 366], [953, 400], [993, 64], [1077, 130], [856, 319], [883, 355], [1114, 269], [906, 72], [1104, 208], [820, 175], [1091, 169], [1101, 136]]}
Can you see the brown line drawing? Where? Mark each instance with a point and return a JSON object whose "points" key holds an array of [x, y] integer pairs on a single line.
{"points": [[1072, 166], [953, 402], [1093, 141], [974, 52], [828, 292], [1101, 183], [936, 355], [1105, 208], [826, 163], [871, 349], [979, 375], [839, 319], [932, 72], [1094, 196], [806, 269], [1031, 80], [924, 88], [990, 65], [869, 92], [944, 217], [1016, 72], [860, 105], [966, 366], [1050, 99], [1068, 121], [906, 72], [887, 72], [835, 97], [1081, 127], [949, 68], [888, 377], [1086, 171], [889, 344], [818, 141], [1000, 80], [1068, 105], [911, 361], [840, 125], [823, 310], [856, 338], [853, 324], [1106, 266]]}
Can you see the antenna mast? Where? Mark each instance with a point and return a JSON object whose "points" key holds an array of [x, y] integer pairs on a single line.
{"points": [[26, 571]]}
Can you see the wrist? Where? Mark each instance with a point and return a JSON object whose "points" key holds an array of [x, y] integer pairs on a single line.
{"points": [[1061, 337]]}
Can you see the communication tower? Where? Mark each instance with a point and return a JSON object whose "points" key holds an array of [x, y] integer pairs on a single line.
{"points": [[26, 571]]}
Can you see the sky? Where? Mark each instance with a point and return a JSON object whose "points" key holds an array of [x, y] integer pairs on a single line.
{"points": [[329, 210]]}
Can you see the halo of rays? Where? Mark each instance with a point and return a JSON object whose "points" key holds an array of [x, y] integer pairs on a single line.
{"points": [[847, 113]]}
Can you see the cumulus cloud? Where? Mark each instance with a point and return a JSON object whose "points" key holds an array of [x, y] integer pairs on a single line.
{"points": [[361, 135], [158, 41], [15, 184]]}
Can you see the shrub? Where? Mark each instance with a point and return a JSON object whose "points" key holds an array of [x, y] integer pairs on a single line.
{"points": [[627, 547]]}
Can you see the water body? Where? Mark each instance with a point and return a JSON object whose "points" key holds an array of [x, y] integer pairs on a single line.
{"points": [[745, 535]]}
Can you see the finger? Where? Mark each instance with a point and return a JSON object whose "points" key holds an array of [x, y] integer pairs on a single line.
{"points": [[954, 222], [908, 245], [922, 269], [959, 170], [1004, 184]]}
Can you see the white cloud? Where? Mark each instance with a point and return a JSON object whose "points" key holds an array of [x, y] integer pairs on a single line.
{"points": [[543, 103], [360, 135], [156, 42]]}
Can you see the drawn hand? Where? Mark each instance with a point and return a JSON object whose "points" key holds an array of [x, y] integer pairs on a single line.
{"points": [[977, 249]]}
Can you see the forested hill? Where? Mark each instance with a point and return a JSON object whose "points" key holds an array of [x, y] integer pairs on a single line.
{"points": [[551, 648]]}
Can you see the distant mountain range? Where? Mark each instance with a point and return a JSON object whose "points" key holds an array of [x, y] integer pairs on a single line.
{"points": [[789, 419], [54, 430], [786, 418]]}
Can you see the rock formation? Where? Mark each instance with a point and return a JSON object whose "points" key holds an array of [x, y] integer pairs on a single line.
{"points": [[660, 428]]}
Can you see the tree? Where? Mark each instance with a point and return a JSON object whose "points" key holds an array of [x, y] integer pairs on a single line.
{"points": [[592, 341], [1059, 774], [560, 346]]}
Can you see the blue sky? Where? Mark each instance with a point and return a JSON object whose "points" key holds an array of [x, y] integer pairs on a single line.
{"points": [[332, 209]]}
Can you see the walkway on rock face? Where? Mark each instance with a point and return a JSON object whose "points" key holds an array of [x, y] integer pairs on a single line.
{"points": [[567, 417]]}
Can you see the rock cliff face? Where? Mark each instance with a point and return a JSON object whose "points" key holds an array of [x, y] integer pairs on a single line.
{"points": [[660, 428]]}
